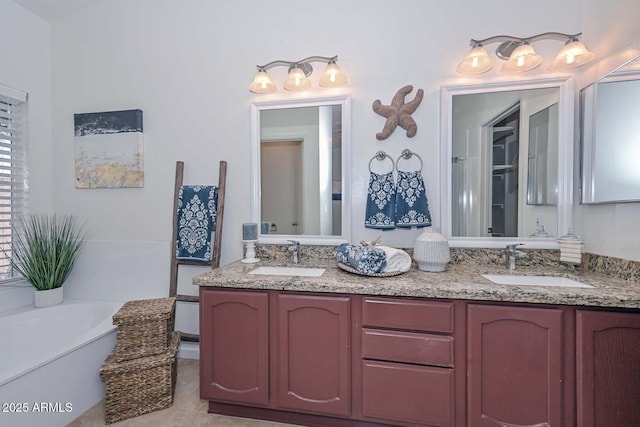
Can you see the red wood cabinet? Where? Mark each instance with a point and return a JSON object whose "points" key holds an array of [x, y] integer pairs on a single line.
{"points": [[313, 353], [234, 346], [608, 367], [515, 366], [338, 360], [407, 394], [299, 361], [407, 361]]}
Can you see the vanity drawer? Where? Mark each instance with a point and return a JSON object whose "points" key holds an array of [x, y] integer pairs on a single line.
{"points": [[407, 393], [407, 347], [428, 316]]}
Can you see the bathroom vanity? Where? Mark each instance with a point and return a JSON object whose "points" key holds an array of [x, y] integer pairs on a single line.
{"points": [[428, 349]]}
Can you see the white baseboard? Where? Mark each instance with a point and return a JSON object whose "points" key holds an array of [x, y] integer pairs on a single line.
{"points": [[189, 350]]}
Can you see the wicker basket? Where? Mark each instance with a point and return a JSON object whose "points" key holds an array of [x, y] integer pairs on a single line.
{"points": [[143, 328], [139, 386]]}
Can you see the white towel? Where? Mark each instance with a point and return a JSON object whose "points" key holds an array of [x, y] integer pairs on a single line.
{"points": [[571, 258], [397, 260], [570, 251]]}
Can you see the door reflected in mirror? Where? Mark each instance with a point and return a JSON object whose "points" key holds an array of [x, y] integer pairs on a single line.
{"points": [[504, 163], [299, 151], [300, 170]]}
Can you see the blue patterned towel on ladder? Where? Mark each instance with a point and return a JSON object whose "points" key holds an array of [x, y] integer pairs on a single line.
{"points": [[381, 197], [412, 208], [196, 221]]}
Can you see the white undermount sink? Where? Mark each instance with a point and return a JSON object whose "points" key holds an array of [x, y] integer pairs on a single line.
{"points": [[530, 280], [288, 271]]}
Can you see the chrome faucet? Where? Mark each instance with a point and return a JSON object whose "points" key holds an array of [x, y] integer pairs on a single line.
{"points": [[295, 249], [510, 253]]}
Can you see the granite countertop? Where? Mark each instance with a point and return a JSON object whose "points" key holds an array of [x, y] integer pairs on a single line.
{"points": [[459, 281]]}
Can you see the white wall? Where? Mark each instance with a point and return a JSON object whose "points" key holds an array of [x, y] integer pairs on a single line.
{"points": [[25, 64], [611, 229], [187, 65]]}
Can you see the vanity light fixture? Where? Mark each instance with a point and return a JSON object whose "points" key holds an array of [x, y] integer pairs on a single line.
{"points": [[299, 71], [521, 56]]}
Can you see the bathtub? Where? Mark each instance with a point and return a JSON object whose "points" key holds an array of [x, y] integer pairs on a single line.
{"points": [[50, 360]]}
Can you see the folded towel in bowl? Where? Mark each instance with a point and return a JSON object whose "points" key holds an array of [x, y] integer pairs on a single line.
{"points": [[369, 259], [397, 260], [365, 259]]}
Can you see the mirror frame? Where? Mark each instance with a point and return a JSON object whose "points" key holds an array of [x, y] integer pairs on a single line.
{"points": [[588, 143], [566, 108], [256, 107]]}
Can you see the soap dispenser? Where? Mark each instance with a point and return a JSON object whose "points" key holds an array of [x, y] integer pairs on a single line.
{"points": [[540, 231], [570, 248]]}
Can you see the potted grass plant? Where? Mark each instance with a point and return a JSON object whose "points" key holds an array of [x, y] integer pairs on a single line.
{"points": [[44, 250]]}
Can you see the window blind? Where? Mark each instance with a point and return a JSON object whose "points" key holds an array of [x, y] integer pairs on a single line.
{"points": [[13, 170]]}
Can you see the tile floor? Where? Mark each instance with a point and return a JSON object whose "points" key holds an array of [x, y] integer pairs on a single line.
{"points": [[187, 409]]}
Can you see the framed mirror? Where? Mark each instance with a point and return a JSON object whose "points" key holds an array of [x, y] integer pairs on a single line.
{"points": [[300, 152], [507, 163], [610, 137]]}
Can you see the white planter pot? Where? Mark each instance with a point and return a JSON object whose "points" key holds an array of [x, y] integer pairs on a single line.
{"points": [[48, 297]]}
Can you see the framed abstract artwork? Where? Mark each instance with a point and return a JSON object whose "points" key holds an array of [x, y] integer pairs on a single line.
{"points": [[109, 149]]}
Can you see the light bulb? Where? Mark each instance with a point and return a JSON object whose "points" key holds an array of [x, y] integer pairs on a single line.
{"points": [[523, 58], [333, 76], [476, 62], [262, 83], [574, 54], [297, 80]]}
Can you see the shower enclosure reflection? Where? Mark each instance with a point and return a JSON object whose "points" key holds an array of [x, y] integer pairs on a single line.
{"points": [[504, 163]]}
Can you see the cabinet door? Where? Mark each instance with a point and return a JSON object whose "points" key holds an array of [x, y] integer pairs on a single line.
{"points": [[514, 366], [234, 337], [608, 360], [313, 354]]}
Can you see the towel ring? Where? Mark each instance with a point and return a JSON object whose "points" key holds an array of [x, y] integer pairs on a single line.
{"points": [[407, 154], [381, 155]]}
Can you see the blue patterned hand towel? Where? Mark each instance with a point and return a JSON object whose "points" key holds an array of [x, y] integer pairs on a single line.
{"points": [[365, 259], [412, 208], [197, 213], [380, 201]]}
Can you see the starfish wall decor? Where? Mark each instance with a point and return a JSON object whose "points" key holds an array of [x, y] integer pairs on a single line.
{"points": [[399, 113]]}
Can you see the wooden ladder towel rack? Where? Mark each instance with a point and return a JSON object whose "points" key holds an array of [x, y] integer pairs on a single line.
{"points": [[217, 239]]}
